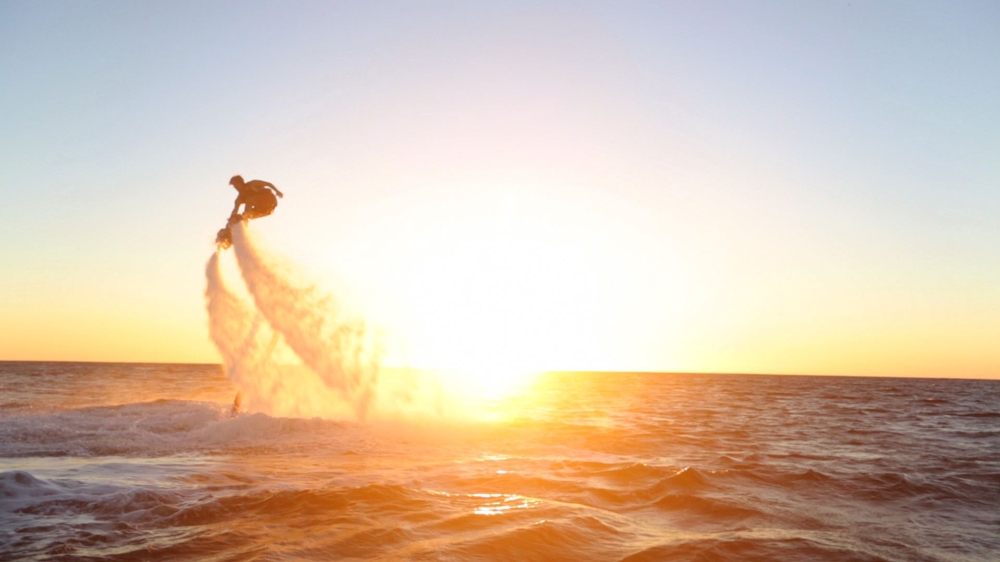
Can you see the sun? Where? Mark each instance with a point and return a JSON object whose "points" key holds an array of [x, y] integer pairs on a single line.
{"points": [[495, 301], [494, 282], [488, 383]]}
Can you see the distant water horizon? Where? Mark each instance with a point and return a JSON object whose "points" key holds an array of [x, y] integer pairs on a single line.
{"points": [[123, 461], [551, 371]]}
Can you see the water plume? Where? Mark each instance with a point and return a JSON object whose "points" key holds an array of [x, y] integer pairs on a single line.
{"points": [[334, 344], [340, 376], [240, 334]]}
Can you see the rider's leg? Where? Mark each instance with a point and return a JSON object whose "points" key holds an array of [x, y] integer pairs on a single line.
{"points": [[254, 212], [260, 206]]}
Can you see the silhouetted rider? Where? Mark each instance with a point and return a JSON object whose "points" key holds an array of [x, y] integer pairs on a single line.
{"points": [[256, 196]]}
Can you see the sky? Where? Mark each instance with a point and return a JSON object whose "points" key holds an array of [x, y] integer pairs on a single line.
{"points": [[767, 187]]}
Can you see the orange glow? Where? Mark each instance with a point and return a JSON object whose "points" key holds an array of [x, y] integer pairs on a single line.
{"points": [[499, 280]]}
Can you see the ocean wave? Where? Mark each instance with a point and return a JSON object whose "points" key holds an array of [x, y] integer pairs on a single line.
{"points": [[775, 477], [17, 484], [718, 512], [631, 473], [897, 487], [780, 474], [66, 500], [753, 549], [155, 428]]}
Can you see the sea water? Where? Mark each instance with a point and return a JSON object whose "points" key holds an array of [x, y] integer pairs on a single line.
{"points": [[146, 462]]}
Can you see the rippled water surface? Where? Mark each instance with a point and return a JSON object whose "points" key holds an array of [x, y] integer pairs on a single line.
{"points": [[144, 462]]}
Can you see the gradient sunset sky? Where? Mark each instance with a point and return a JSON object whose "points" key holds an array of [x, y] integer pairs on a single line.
{"points": [[772, 187]]}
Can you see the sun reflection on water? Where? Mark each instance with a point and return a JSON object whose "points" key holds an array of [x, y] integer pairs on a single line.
{"points": [[505, 503]]}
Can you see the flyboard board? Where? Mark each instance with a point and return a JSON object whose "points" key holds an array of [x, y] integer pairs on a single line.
{"points": [[224, 239]]}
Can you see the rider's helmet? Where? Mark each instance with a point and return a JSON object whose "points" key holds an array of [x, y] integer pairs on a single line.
{"points": [[236, 180]]}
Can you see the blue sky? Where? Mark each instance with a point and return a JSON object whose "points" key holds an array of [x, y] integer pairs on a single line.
{"points": [[777, 166]]}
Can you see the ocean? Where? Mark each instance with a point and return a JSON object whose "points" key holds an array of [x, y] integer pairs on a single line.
{"points": [[147, 462]]}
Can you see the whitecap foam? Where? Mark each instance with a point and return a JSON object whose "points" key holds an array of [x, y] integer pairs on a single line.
{"points": [[162, 427]]}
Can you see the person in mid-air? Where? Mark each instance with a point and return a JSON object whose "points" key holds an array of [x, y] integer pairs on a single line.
{"points": [[257, 197]]}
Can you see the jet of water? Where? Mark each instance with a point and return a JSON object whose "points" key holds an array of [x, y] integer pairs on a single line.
{"points": [[335, 344]]}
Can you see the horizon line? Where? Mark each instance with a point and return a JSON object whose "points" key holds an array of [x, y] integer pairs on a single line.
{"points": [[553, 371]]}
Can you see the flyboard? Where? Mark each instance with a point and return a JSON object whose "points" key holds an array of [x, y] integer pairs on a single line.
{"points": [[224, 239]]}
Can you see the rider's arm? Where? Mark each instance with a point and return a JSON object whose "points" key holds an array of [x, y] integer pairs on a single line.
{"points": [[276, 192], [236, 206]]}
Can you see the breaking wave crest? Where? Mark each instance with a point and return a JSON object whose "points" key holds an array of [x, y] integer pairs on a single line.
{"points": [[147, 429]]}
